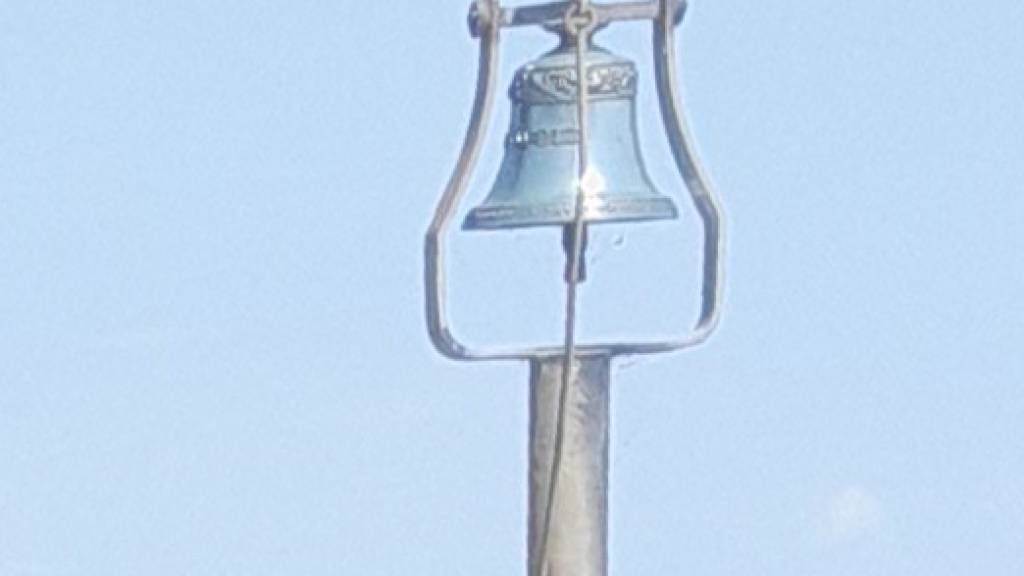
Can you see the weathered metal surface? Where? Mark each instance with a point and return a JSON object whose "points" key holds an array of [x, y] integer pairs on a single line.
{"points": [[578, 529]]}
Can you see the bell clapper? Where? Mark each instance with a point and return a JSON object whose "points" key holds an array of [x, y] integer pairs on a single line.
{"points": [[568, 231]]}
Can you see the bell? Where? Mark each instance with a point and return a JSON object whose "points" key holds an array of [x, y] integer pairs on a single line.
{"points": [[539, 176]]}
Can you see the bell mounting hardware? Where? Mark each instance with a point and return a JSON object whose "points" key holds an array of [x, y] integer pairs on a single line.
{"points": [[572, 159]]}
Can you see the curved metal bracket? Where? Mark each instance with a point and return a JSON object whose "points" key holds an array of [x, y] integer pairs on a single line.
{"points": [[697, 182], [484, 13], [487, 17]]}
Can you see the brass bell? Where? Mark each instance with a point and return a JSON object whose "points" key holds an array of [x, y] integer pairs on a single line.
{"points": [[537, 183]]}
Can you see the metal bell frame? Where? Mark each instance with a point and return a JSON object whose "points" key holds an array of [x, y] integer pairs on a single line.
{"points": [[486, 19]]}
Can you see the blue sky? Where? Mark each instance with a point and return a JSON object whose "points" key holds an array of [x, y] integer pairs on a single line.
{"points": [[212, 350]]}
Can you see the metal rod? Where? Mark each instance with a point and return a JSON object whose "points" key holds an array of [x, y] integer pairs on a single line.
{"points": [[579, 24], [583, 182], [584, 175], [574, 540]]}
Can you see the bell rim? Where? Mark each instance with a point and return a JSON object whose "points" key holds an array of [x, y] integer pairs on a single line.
{"points": [[600, 210]]}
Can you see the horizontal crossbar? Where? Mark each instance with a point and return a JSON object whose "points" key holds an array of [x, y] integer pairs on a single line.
{"points": [[552, 14]]}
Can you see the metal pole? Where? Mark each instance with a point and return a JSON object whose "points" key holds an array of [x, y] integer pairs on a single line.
{"points": [[577, 538]]}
